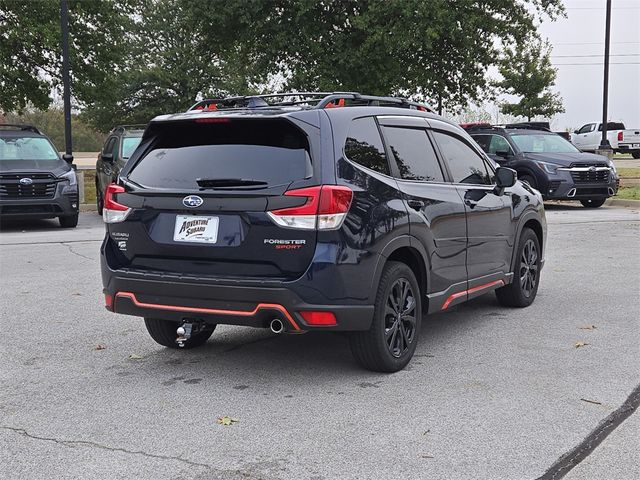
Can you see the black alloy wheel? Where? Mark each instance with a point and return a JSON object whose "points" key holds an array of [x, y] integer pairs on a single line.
{"points": [[392, 338], [523, 289], [529, 268], [400, 317]]}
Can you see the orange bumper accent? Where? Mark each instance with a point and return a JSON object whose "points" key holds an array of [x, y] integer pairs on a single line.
{"points": [[211, 311]]}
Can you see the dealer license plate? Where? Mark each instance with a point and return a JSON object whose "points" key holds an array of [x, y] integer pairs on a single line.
{"points": [[190, 228]]}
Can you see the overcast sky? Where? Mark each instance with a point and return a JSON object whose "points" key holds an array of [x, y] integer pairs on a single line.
{"points": [[578, 53]]}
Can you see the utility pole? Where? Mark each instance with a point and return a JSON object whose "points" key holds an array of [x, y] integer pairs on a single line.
{"points": [[66, 89], [604, 143]]}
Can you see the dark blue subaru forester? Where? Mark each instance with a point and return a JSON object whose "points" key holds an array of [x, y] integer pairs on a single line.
{"points": [[301, 212]]}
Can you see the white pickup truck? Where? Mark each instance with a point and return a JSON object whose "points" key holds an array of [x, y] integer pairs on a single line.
{"points": [[587, 138]]}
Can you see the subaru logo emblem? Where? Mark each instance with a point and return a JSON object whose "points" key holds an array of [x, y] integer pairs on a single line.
{"points": [[26, 181], [192, 201], [592, 169]]}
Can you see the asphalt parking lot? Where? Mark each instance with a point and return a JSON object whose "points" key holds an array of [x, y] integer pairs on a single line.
{"points": [[492, 393]]}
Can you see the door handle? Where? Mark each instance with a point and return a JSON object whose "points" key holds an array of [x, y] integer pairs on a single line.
{"points": [[416, 204]]}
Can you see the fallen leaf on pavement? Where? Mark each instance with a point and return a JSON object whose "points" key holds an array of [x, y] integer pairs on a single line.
{"points": [[135, 356], [100, 346], [591, 401], [589, 327], [580, 344], [426, 456], [227, 420]]}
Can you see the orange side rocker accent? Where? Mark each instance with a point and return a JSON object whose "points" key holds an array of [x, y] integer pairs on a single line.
{"points": [[471, 290], [212, 311]]}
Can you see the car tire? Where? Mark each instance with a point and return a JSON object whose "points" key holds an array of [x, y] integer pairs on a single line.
{"points": [[529, 179], [593, 202], [68, 221], [635, 154], [164, 333], [521, 292], [391, 340], [99, 200]]}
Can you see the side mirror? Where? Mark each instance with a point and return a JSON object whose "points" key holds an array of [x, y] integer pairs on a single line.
{"points": [[107, 157], [575, 131], [67, 157], [505, 178]]}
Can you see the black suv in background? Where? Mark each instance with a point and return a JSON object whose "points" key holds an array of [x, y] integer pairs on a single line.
{"points": [[118, 147], [549, 163], [35, 182], [336, 212]]}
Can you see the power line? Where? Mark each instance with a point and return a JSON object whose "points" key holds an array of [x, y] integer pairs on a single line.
{"points": [[597, 55], [592, 43], [598, 63]]}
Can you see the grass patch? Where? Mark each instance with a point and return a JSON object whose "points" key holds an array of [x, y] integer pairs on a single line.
{"points": [[629, 193], [628, 172], [89, 186]]}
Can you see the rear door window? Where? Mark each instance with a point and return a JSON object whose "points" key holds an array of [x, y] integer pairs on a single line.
{"points": [[414, 154], [364, 145], [186, 154]]}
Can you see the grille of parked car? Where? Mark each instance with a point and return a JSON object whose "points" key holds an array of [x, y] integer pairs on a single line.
{"points": [[590, 176], [38, 185]]}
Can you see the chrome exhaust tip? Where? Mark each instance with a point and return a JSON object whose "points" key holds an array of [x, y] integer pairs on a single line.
{"points": [[612, 192], [276, 325], [572, 193]]}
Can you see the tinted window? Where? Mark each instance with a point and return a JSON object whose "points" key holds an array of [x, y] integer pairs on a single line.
{"points": [[587, 128], [414, 154], [271, 151], [364, 145], [612, 126], [26, 148], [465, 164], [108, 147]]}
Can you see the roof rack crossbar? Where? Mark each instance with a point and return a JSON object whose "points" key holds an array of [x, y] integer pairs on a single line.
{"points": [[21, 127], [321, 99], [123, 128]]}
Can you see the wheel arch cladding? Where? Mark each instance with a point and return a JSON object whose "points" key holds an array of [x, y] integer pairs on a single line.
{"points": [[412, 258], [534, 225]]}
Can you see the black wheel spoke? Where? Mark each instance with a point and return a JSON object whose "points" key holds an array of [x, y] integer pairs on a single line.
{"points": [[400, 317]]}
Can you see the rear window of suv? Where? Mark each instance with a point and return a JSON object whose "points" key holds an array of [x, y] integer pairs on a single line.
{"points": [[270, 151]]}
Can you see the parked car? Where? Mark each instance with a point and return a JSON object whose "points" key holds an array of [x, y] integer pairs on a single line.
{"points": [[588, 138], [629, 142], [549, 163], [118, 147], [339, 212], [35, 182]]}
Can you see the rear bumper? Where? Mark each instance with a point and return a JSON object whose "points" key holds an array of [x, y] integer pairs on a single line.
{"points": [[158, 295]]}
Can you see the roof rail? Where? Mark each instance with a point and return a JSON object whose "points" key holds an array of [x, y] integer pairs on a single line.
{"points": [[529, 126], [20, 127], [124, 128], [470, 127], [317, 100]]}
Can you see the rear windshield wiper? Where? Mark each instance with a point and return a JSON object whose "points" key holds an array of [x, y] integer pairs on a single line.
{"points": [[204, 183]]}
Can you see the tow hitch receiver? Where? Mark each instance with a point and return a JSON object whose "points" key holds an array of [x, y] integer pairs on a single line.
{"points": [[186, 330]]}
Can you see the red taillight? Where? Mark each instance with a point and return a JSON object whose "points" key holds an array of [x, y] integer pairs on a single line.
{"points": [[108, 302], [325, 208], [114, 212], [109, 201], [319, 318], [213, 120], [620, 136]]}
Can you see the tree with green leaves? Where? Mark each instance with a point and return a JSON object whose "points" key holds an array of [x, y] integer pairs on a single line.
{"points": [[528, 73], [438, 50], [31, 55]]}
